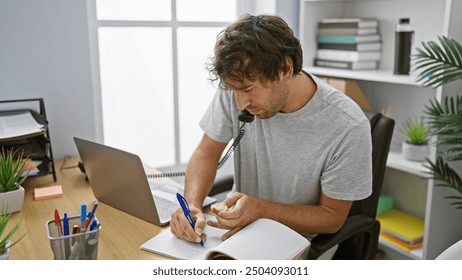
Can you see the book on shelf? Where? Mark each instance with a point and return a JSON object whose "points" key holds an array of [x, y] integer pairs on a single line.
{"points": [[346, 31], [262, 239], [402, 226], [374, 46], [399, 243], [349, 56], [347, 39], [361, 22], [349, 65]]}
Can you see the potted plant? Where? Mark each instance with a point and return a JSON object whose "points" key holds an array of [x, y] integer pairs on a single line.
{"points": [[415, 147], [12, 174], [440, 64], [5, 236]]}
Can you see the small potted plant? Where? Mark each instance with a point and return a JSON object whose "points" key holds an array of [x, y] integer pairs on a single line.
{"points": [[12, 174], [5, 236], [415, 146]]}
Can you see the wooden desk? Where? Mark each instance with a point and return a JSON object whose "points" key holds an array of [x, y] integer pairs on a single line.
{"points": [[121, 234]]}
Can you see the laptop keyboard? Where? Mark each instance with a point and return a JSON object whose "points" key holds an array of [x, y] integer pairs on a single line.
{"points": [[165, 207], [165, 199]]}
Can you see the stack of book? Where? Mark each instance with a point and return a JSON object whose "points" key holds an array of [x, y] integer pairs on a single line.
{"points": [[401, 229], [348, 43]]}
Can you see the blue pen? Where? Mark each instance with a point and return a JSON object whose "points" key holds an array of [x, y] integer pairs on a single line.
{"points": [[67, 248], [93, 225], [91, 214], [66, 224], [83, 217], [187, 213]]}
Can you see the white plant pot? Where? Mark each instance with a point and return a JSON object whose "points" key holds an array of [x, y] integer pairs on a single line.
{"points": [[6, 254], [11, 202], [415, 152]]}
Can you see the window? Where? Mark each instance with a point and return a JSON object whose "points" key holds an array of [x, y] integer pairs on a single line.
{"points": [[137, 91], [149, 62], [153, 83]]}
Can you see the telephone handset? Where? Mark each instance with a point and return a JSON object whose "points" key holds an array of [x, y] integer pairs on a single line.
{"points": [[244, 117]]}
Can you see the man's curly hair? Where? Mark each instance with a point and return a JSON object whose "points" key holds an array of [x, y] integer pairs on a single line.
{"points": [[255, 47]]}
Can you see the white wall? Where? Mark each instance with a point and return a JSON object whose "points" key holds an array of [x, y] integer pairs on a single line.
{"points": [[44, 52], [289, 10]]}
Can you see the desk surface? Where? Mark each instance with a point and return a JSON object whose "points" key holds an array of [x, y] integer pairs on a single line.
{"points": [[121, 234]]}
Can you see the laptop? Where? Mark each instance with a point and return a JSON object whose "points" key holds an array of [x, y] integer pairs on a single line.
{"points": [[118, 179]]}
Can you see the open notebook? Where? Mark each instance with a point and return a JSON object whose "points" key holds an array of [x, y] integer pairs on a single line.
{"points": [[264, 239]]}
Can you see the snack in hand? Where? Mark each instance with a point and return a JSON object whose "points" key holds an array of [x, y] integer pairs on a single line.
{"points": [[217, 207]]}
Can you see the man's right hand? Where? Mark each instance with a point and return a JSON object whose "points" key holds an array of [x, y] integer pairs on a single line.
{"points": [[181, 228]]}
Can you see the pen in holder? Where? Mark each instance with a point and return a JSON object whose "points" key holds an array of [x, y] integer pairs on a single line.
{"points": [[76, 245]]}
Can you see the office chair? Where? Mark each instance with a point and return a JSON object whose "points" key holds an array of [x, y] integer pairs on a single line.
{"points": [[358, 237]]}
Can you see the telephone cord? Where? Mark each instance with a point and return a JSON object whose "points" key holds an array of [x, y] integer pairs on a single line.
{"points": [[220, 164]]}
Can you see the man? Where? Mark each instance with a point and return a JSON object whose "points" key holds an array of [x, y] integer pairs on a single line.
{"points": [[305, 157]]}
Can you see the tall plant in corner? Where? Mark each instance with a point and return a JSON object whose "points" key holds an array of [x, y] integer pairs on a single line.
{"points": [[440, 63]]}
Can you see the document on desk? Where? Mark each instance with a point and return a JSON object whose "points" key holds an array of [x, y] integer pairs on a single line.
{"points": [[262, 239], [16, 125]]}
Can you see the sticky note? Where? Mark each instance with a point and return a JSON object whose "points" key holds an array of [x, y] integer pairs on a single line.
{"points": [[48, 192]]}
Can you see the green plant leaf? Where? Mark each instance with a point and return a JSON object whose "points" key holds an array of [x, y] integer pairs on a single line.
{"points": [[4, 220], [441, 62], [446, 121], [13, 171], [416, 132], [453, 47], [444, 174]]}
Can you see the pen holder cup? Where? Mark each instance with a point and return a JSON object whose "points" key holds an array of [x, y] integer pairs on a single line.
{"points": [[77, 246]]}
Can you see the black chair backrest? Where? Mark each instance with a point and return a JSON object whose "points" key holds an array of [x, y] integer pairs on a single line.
{"points": [[382, 132]]}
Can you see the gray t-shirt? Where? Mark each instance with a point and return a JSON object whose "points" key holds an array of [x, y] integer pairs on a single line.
{"points": [[291, 157]]}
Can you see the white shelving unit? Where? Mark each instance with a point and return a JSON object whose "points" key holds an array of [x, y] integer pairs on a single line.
{"points": [[385, 76], [406, 181], [395, 160]]}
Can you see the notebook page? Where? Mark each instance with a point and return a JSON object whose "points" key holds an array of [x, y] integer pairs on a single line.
{"points": [[263, 239], [165, 243]]}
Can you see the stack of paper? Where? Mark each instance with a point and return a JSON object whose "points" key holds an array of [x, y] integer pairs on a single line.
{"points": [[401, 229], [30, 166], [16, 125]]}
